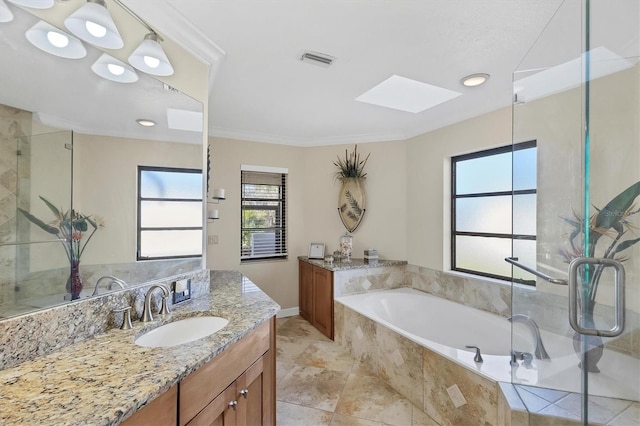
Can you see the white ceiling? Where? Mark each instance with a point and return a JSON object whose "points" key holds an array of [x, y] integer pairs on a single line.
{"points": [[263, 92]]}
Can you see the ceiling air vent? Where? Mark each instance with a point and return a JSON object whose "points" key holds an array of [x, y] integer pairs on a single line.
{"points": [[316, 58]]}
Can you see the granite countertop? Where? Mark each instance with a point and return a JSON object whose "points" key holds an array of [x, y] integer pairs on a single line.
{"points": [[352, 264], [103, 380]]}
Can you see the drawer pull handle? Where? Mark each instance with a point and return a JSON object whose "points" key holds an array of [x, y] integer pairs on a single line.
{"points": [[244, 392], [233, 404]]}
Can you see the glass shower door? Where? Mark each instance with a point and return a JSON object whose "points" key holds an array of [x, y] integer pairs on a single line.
{"points": [[577, 94]]}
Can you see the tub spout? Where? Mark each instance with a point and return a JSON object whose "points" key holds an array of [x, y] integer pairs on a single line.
{"points": [[540, 352], [526, 357], [478, 356]]}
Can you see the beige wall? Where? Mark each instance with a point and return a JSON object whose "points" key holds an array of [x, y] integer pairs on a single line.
{"points": [[312, 207], [105, 184], [428, 181]]}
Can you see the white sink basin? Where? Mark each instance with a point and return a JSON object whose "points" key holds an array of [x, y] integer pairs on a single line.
{"points": [[182, 331]]}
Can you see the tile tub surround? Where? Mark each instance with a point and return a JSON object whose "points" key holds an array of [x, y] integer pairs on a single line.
{"points": [[431, 381], [26, 337], [103, 380]]}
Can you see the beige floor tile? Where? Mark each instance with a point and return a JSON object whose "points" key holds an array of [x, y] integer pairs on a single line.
{"points": [[369, 398], [301, 329], [282, 369], [312, 387], [280, 321], [342, 420], [326, 355], [297, 415], [288, 349]]}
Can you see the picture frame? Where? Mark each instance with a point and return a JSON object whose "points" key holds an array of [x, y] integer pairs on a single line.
{"points": [[316, 251]]}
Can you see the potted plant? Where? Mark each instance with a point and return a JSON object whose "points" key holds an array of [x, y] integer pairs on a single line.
{"points": [[351, 200], [608, 230], [74, 231]]}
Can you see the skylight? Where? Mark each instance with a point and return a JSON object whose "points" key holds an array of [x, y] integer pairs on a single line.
{"points": [[408, 95]]}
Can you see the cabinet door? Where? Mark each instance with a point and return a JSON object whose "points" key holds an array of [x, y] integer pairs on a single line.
{"points": [[306, 290], [323, 301], [250, 388], [220, 412]]}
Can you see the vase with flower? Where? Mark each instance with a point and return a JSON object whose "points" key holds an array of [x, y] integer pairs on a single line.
{"points": [[605, 234], [74, 231]]}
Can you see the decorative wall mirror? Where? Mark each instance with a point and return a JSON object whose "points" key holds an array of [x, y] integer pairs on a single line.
{"points": [[71, 137]]}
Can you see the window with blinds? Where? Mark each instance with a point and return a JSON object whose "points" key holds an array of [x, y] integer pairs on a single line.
{"points": [[264, 213]]}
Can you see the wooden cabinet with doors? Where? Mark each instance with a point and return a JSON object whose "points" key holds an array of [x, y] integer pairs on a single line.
{"points": [[235, 388], [316, 296]]}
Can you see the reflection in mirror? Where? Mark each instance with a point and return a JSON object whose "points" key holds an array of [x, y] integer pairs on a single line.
{"points": [[71, 148]]}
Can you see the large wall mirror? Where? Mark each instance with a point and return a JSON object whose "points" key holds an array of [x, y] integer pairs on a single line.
{"points": [[70, 143]]}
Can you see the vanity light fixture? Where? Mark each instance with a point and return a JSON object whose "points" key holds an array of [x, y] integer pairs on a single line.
{"points": [[34, 4], [149, 57], [145, 122], [50, 39], [113, 69], [5, 13], [93, 23], [474, 80]]}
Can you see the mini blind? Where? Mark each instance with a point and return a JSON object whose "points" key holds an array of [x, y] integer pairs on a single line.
{"points": [[264, 213]]}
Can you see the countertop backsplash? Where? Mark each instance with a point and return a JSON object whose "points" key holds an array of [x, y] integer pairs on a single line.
{"points": [[25, 337]]}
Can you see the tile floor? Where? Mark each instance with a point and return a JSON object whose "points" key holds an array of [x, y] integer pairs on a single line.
{"points": [[318, 383]]}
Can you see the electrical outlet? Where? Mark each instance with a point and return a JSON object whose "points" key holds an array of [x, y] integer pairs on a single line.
{"points": [[212, 240]]}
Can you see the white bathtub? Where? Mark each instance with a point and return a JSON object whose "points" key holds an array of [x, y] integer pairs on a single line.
{"points": [[447, 327]]}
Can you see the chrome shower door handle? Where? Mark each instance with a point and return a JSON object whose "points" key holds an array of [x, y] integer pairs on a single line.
{"points": [[618, 327]]}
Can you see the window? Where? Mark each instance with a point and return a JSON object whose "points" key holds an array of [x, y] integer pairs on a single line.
{"points": [[493, 211], [264, 213], [169, 213]]}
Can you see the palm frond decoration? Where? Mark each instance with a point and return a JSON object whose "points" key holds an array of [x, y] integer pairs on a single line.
{"points": [[351, 166], [353, 203]]}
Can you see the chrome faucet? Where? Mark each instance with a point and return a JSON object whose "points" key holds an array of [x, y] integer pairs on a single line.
{"points": [[540, 352], [164, 310], [112, 280]]}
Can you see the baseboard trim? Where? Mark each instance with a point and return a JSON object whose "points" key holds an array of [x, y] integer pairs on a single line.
{"points": [[289, 312]]}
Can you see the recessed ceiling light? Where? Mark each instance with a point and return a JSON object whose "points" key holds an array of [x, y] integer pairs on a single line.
{"points": [[113, 69], [50, 39], [146, 122], [408, 95], [475, 79]]}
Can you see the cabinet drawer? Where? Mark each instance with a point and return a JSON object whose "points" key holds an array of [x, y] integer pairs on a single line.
{"points": [[203, 385]]}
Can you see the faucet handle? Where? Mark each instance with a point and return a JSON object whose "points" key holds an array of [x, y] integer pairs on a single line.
{"points": [[126, 317], [165, 309]]}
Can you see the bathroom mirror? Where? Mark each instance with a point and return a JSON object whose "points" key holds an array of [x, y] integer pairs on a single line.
{"points": [[71, 137]]}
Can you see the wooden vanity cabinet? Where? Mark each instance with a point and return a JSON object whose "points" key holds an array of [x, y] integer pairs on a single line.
{"points": [[162, 411], [235, 388], [316, 296]]}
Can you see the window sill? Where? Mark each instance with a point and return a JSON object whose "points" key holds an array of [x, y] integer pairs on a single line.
{"points": [[489, 280]]}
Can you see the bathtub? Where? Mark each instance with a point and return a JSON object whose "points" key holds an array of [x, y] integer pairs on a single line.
{"points": [[446, 327]]}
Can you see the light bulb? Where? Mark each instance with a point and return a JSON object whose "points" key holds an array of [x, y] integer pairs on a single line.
{"points": [[95, 30], [151, 61], [57, 39], [115, 69]]}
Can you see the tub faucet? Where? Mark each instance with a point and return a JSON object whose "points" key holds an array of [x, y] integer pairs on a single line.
{"points": [[540, 352], [523, 356], [164, 310], [112, 280]]}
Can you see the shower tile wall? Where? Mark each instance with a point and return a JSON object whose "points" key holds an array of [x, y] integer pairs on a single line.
{"points": [[15, 125]]}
